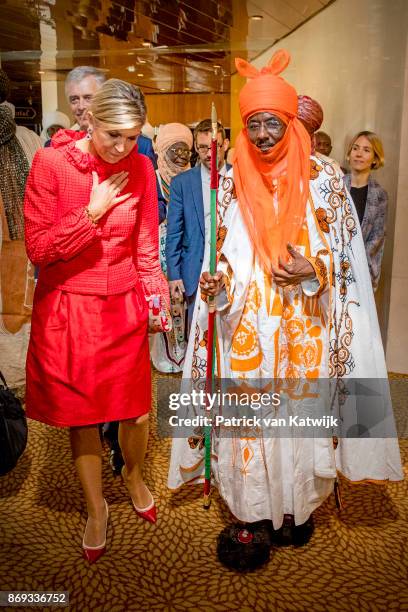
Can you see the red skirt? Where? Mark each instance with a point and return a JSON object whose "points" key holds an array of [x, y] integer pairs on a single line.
{"points": [[88, 358]]}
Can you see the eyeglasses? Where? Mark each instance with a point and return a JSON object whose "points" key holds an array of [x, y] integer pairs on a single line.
{"points": [[206, 148], [181, 152], [271, 125]]}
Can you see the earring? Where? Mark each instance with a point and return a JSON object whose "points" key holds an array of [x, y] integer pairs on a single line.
{"points": [[89, 134]]}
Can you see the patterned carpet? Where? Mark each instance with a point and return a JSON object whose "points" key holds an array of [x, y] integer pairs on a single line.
{"points": [[355, 561]]}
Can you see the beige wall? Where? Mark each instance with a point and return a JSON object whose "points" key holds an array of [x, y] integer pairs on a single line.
{"points": [[397, 344], [351, 58]]}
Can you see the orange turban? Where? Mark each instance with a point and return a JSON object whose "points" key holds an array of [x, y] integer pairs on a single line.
{"points": [[281, 174], [266, 91]]}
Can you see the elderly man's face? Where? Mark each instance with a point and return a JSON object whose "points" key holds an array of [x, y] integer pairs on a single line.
{"points": [[179, 153], [265, 130], [323, 143], [80, 94]]}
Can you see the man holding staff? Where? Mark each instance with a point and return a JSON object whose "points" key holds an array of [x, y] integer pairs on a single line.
{"points": [[294, 302]]}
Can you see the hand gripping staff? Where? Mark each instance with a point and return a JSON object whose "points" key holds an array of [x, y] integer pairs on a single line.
{"points": [[211, 337]]}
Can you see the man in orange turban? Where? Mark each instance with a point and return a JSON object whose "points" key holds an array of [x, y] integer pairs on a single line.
{"points": [[295, 308]]}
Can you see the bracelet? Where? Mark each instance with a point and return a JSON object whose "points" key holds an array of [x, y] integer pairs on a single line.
{"points": [[90, 217]]}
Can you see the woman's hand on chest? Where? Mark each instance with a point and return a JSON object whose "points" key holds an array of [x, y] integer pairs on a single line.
{"points": [[107, 194]]}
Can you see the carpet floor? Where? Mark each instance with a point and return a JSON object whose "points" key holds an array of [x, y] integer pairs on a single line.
{"points": [[356, 559]]}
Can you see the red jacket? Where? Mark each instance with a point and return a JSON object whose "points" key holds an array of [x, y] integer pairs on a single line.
{"points": [[72, 253]]}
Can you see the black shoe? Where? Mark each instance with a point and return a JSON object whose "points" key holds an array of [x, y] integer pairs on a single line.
{"points": [[303, 533], [244, 547], [292, 535], [116, 461]]}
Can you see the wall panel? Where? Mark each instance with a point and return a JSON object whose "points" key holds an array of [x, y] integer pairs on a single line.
{"points": [[186, 108]]}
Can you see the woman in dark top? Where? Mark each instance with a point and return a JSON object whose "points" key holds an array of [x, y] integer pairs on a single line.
{"points": [[366, 153]]}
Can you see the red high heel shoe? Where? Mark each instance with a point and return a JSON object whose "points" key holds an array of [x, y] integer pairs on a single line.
{"points": [[149, 513], [93, 553]]}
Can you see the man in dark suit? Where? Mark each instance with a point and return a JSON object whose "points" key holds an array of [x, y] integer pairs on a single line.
{"points": [[188, 217], [145, 147]]}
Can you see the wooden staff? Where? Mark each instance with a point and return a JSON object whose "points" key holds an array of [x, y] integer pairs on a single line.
{"points": [[211, 336]]}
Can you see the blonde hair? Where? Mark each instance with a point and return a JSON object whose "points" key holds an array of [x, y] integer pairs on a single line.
{"points": [[119, 104], [377, 148]]}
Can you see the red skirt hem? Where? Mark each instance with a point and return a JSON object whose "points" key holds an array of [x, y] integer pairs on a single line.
{"points": [[46, 421], [88, 360]]}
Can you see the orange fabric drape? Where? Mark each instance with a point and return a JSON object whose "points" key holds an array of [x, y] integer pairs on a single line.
{"points": [[257, 174]]}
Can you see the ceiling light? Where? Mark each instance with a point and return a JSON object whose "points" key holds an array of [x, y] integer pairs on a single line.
{"points": [[41, 72], [163, 89], [216, 66], [256, 17], [142, 61], [131, 68], [140, 74]]}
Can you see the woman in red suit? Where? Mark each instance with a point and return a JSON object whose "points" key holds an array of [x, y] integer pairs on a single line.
{"points": [[91, 226]]}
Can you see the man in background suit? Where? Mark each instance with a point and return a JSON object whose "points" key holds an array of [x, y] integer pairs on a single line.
{"points": [[188, 217], [145, 147]]}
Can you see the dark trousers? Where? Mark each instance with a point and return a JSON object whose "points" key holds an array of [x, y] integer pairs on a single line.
{"points": [[110, 432], [190, 299]]}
